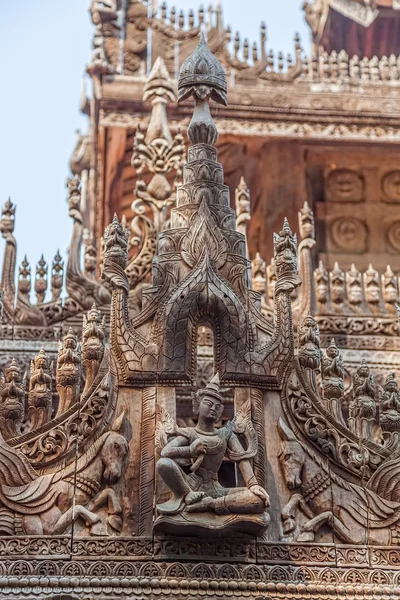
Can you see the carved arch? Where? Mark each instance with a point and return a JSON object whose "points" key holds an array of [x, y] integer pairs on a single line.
{"points": [[203, 297]]}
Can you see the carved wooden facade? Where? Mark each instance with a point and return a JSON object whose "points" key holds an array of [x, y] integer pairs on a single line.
{"points": [[284, 479]]}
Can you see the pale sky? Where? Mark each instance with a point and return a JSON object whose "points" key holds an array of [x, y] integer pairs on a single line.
{"points": [[44, 46]]}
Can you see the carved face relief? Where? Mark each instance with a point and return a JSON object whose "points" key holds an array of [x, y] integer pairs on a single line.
{"points": [[291, 458], [210, 409], [355, 293], [332, 352], [349, 234], [344, 185], [322, 291], [391, 186]]}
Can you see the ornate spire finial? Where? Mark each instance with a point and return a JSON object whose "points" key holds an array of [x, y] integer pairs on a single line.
{"points": [[203, 77], [7, 221], [57, 272], [41, 280], [159, 90], [306, 222]]}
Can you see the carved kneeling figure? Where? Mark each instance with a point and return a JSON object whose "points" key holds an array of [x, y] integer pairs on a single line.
{"points": [[202, 449]]}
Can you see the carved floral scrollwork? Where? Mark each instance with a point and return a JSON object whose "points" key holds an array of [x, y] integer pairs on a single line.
{"points": [[326, 433]]}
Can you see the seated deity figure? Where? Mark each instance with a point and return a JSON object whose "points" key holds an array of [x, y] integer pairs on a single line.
{"points": [[192, 456]]}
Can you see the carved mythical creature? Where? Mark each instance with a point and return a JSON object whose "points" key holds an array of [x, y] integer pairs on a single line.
{"points": [[332, 380], [326, 499], [49, 504], [390, 406], [362, 408], [12, 408], [68, 375], [197, 496], [40, 404]]}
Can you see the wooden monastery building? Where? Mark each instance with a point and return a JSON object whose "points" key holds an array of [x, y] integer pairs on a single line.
{"points": [[202, 398]]}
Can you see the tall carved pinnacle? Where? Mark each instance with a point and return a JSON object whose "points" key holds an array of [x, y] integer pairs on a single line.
{"points": [[202, 77]]}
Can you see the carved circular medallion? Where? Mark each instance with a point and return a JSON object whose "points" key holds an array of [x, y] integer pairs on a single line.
{"points": [[349, 234], [391, 186], [393, 236], [344, 185]]}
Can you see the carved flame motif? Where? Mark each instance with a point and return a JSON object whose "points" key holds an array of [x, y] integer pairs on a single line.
{"points": [[204, 235]]}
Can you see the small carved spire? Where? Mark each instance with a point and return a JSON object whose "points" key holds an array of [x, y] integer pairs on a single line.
{"points": [[116, 243], [160, 154], [41, 280], [271, 280], [321, 279], [259, 269], [24, 279], [390, 288], [57, 271], [285, 256], [242, 201], [40, 405], [116, 240], [7, 221], [7, 224], [159, 90], [372, 286], [12, 401], [90, 259], [337, 289], [306, 222], [203, 77], [354, 286]]}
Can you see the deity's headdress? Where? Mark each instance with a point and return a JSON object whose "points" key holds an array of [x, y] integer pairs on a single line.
{"points": [[211, 389]]}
